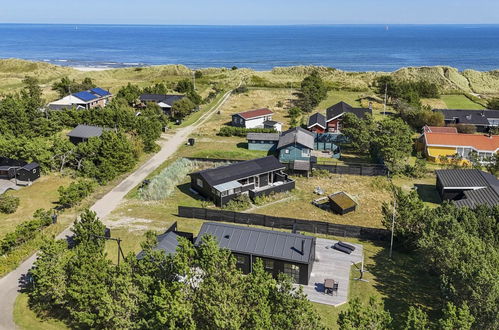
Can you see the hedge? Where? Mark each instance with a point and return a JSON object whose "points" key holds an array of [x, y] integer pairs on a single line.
{"points": [[241, 131]]}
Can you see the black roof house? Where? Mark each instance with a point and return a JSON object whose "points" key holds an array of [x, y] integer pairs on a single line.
{"points": [[317, 119], [341, 108], [165, 101], [281, 252], [482, 119], [468, 187], [82, 133], [19, 170], [255, 177]]}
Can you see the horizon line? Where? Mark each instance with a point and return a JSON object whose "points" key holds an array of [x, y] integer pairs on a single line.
{"points": [[257, 24]]}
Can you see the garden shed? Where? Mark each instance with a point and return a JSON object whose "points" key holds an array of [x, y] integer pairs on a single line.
{"points": [[341, 203]]}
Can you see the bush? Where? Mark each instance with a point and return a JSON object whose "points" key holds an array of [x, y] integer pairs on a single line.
{"points": [[25, 231], [240, 90], [241, 131], [198, 74], [240, 203], [493, 104], [465, 128], [8, 204], [234, 68], [75, 192]]}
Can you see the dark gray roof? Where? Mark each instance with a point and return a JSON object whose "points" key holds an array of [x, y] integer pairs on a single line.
{"points": [[317, 119], [167, 242], [463, 178], [485, 186], [485, 196], [340, 108], [165, 98], [263, 136], [296, 135], [472, 117], [86, 131], [236, 171], [31, 166], [270, 122], [260, 242]]}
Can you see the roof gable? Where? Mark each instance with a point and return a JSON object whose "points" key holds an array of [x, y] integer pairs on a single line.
{"points": [[317, 119], [297, 135], [341, 108], [251, 114]]}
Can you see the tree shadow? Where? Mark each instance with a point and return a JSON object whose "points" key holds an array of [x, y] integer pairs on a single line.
{"points": [[428, 193], [405, 283], [242, 145]]}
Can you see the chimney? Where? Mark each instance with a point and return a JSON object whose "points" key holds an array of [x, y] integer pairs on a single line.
{"points": [[302, 247]]}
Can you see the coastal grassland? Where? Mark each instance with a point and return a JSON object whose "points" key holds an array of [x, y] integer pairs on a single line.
{"points": [[41, 194]]}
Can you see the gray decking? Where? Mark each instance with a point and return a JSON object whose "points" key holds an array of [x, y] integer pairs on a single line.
{"points": [[333, 264]]}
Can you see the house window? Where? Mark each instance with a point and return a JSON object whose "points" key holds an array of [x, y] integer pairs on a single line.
{"points": [[286, 151], [199, 182], [224, 193], [231, 192], [240, 260], [262, 141], [293, 271], [269, 265], [305, 153]]}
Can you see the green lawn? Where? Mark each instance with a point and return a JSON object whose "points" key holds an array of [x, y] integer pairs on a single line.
{"points": [[334, 97], [460, 102], [26, 319]]}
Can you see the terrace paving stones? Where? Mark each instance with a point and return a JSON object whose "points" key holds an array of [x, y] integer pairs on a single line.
{"points": [[335, 265]]}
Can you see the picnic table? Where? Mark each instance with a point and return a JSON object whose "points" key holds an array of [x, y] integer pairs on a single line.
{"points": [[330, 286]]}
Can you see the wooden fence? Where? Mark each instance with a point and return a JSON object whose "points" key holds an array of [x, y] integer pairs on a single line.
{"points": [[311, 226], [353, 169]]}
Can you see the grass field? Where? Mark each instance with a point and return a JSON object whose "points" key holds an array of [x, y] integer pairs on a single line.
{"points": [[42, 194], [460, 102]]}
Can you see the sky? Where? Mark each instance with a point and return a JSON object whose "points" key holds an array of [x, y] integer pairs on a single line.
{"points": [[248, 12]]}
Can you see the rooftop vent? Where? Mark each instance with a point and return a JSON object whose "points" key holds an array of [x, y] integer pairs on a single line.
{"points": [[227, 236]]}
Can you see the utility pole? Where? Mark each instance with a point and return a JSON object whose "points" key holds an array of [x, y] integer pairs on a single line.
{"points": [[393, 226], [384, 105], [118, 240]]}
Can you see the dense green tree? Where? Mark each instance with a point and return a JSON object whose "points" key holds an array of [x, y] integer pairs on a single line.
{"points": [[416, 319], [493, 104], [313, 91], [115, 155], [66, 86], [456, 318], [409, 210], [184, 86], [85, 230], [158, 88], [182, 108], [63, 152], [359, 317], [358, 131], [130, 93], [392, 143], [31, 94]]}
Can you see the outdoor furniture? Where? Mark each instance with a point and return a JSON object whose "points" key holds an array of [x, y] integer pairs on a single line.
{"points": [[342, 248], [329, 286], [346, 245]]}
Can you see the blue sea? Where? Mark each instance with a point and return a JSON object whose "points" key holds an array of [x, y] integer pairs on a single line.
{"points": [[346, 47]]}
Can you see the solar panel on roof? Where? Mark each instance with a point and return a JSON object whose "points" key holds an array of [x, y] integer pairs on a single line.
{"points": [[100, 91], [85, 96]]}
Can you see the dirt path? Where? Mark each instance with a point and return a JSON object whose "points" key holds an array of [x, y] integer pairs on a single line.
{"points": [[9, 284]]}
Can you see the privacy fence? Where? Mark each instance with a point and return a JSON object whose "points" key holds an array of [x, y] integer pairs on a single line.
{"points": [[311, 226], [352, 169]]}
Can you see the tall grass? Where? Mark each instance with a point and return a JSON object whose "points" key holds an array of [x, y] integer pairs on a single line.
{"points": [[163, 184]]}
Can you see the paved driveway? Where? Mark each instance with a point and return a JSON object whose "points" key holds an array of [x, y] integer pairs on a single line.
{"points": [[7, 185]]}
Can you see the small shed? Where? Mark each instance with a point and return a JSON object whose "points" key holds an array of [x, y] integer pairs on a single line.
{"points": [[341, 203], [29, 172]]}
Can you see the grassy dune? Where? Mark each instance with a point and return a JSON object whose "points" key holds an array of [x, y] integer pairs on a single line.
{"points": [[450, 80]]}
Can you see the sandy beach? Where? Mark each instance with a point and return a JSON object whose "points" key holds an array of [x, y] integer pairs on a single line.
{"points": [[89, 69]]}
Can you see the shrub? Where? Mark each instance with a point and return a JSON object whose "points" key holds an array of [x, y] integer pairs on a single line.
{"points": [[239, 203], [241, 131], [234, 68], [493, 104], [240, 90], [75, 192], [8, 204], [25, 231], [465, 128], [163, 184], [198, 74]]}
